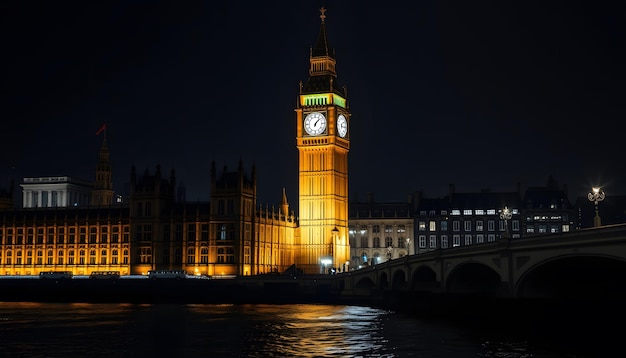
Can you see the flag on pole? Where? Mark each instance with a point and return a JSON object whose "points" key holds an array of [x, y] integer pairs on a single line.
{"points": [[103, 128]]}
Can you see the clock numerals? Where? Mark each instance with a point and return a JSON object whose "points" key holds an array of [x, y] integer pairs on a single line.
{"points": [[342, 126], [315, 123]]}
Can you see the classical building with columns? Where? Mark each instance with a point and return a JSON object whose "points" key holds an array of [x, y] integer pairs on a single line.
{"points": [[55, 192]]}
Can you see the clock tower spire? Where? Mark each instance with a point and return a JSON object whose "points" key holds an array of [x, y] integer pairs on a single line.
{"points": [[323, 142]]}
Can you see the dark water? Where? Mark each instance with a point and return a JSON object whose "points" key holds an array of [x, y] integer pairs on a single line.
{"points": [[210, 330]]}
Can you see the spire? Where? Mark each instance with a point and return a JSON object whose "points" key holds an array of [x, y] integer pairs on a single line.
{"points": [[103, 185], [322, 72], [284, 204], [322, 48]]}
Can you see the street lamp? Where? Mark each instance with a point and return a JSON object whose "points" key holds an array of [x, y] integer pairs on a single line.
{"points": [[408, 246], [333, 254], [389, 252], [506, 215], [326, 262], [596, 195]]}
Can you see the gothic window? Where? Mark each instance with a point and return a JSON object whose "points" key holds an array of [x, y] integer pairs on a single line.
{"points": [[191, 255], [50, 235], [93, 235], [82, 236], [126, 236], [104, 234]]}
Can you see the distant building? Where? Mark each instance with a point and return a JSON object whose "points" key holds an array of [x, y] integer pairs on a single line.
{"points": [[55, 192], [458, 219], [379, 232]]}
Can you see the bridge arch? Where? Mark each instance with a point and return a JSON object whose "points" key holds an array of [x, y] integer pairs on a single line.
{"points": [[424, 278], [364, 287], [399, 280], [383, 281], [473, 278], [574, 276]]}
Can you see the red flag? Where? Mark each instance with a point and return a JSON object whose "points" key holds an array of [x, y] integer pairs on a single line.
{"points": [[103, 128]]}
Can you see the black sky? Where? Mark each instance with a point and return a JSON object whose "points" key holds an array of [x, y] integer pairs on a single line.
{"points": [[477, 94]]}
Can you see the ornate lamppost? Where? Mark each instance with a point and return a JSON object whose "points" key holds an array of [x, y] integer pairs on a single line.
{"points": [[596, 195], [408, 246], [505, 214], [389, 252]]}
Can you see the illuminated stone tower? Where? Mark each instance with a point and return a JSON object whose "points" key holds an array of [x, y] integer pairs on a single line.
{"points": [[323, 142]]}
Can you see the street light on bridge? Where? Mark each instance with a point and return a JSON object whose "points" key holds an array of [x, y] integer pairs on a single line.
{"points": [[505, 214], [596, 195]]}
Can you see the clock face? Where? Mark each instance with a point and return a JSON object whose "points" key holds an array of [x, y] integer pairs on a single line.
{"points": [[342, 125], [315, 123]]}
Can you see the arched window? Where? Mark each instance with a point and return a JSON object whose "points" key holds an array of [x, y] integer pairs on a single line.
{"points": [[376, 242], [388, 241]]}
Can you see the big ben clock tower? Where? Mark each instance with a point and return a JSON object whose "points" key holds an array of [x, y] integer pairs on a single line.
{"points": [[323, 142]]}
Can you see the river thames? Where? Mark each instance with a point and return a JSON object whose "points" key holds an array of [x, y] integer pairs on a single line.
{"points": [[257, 330]]}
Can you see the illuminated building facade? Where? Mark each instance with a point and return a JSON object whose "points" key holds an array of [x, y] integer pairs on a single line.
{"points": [[380, 232], [229, 235], [456, 220], [323, 141]]}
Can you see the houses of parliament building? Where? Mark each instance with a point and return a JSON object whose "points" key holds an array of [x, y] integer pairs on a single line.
{"points": [[68, 224]]}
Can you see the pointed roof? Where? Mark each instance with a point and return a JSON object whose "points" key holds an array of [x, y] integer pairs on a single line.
{"points": [[322, 48], [322, 72]]}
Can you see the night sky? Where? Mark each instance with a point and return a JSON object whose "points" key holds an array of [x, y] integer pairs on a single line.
{"points": [[477, 94]]}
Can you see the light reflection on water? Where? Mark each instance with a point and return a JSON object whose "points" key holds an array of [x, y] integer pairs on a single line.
{"points": [[208, 330]]}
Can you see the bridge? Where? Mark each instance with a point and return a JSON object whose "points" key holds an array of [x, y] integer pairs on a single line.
{"points": [[588, 263]]}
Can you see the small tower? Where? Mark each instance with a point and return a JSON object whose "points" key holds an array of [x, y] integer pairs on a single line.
{"points": [[102, 193], [232, 219], [284, 204]]}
